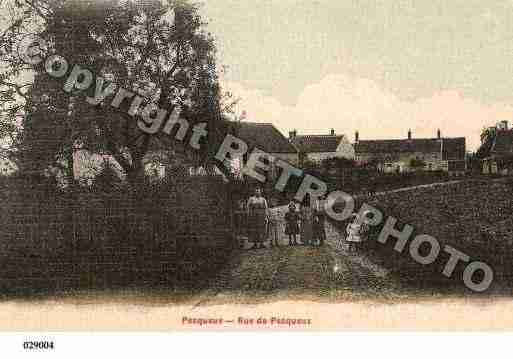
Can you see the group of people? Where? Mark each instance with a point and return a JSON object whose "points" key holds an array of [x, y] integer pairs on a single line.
{"points": [[304, 224]]}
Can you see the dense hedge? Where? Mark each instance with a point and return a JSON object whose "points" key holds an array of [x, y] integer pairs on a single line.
{"points": [[169, 233], [473, 216]]}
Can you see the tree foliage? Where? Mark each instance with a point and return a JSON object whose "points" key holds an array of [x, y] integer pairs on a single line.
{"points": [[488, 135], [417, 163], [157, 49]]}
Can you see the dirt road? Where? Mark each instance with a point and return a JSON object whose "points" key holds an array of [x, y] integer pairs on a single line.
{"points": [[327, 273]]}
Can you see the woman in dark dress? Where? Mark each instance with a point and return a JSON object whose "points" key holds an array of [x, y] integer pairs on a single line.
{"points": [[257, 219]]}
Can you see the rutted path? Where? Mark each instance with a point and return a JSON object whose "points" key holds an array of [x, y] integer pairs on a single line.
{"points": [[317, 273], [330, 271], [336, 241]]}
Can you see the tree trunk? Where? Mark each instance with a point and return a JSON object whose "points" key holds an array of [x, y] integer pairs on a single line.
{"points": [[135, 172]]}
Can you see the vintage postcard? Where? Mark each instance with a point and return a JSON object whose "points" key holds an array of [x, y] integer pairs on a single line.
{"points": [[229, 165]]}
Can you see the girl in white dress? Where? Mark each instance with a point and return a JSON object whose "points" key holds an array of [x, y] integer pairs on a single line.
{"points": [[357, 232]]}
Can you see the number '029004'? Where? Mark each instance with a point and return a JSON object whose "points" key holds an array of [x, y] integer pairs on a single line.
{"points": [[38, 345]]}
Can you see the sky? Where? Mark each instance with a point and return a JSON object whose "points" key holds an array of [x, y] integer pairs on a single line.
{"points": [[379, 67]]}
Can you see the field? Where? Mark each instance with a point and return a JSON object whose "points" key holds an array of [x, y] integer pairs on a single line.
{"points": [[473, 216]]}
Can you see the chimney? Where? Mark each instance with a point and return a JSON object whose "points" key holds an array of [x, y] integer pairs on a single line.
{"points": [[332, 132], [356, 137], [292, 134], [438, 134], [409, 134]]}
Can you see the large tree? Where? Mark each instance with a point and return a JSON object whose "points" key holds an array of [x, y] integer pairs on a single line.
{"points": [[158, 49]]}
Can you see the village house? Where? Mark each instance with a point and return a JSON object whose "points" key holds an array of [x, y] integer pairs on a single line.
{"points": [[157, 163], [499, 155], [320, 147], [269, 139], [405, 155]]}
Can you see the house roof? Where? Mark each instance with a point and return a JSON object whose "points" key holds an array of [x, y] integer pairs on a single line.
{"points": [[317, 143], [397, 146], [450, 147], [265, 137], [503, 143], [454, 148]]}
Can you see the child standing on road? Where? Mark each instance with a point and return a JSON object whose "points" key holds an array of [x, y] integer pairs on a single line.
{"points": [[357, 232], [292, 224], [319, 231], [307, 221], [272, 232]]}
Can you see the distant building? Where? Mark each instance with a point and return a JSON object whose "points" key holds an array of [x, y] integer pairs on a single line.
{"points": [[499, 157], [157, 164], [321, 147], [437, 154], [267, 138]]}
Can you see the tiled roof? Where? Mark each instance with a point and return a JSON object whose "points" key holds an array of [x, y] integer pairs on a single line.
{"points": [[450, 147], [454, 148], [317, 143], [264, 136]]}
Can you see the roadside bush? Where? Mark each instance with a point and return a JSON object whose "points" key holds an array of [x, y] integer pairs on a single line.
{"points": [[82, 237]]}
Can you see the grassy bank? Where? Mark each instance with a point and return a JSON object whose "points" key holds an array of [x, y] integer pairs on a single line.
{"points": [[474, 216]]}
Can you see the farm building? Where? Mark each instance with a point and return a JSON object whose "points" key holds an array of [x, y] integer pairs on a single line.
{"points": [[267, 138], [498, 150], [405, 155], [320, 147]]}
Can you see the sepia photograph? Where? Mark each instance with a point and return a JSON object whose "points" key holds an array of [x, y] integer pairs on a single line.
{"points": [[293, 165]]}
